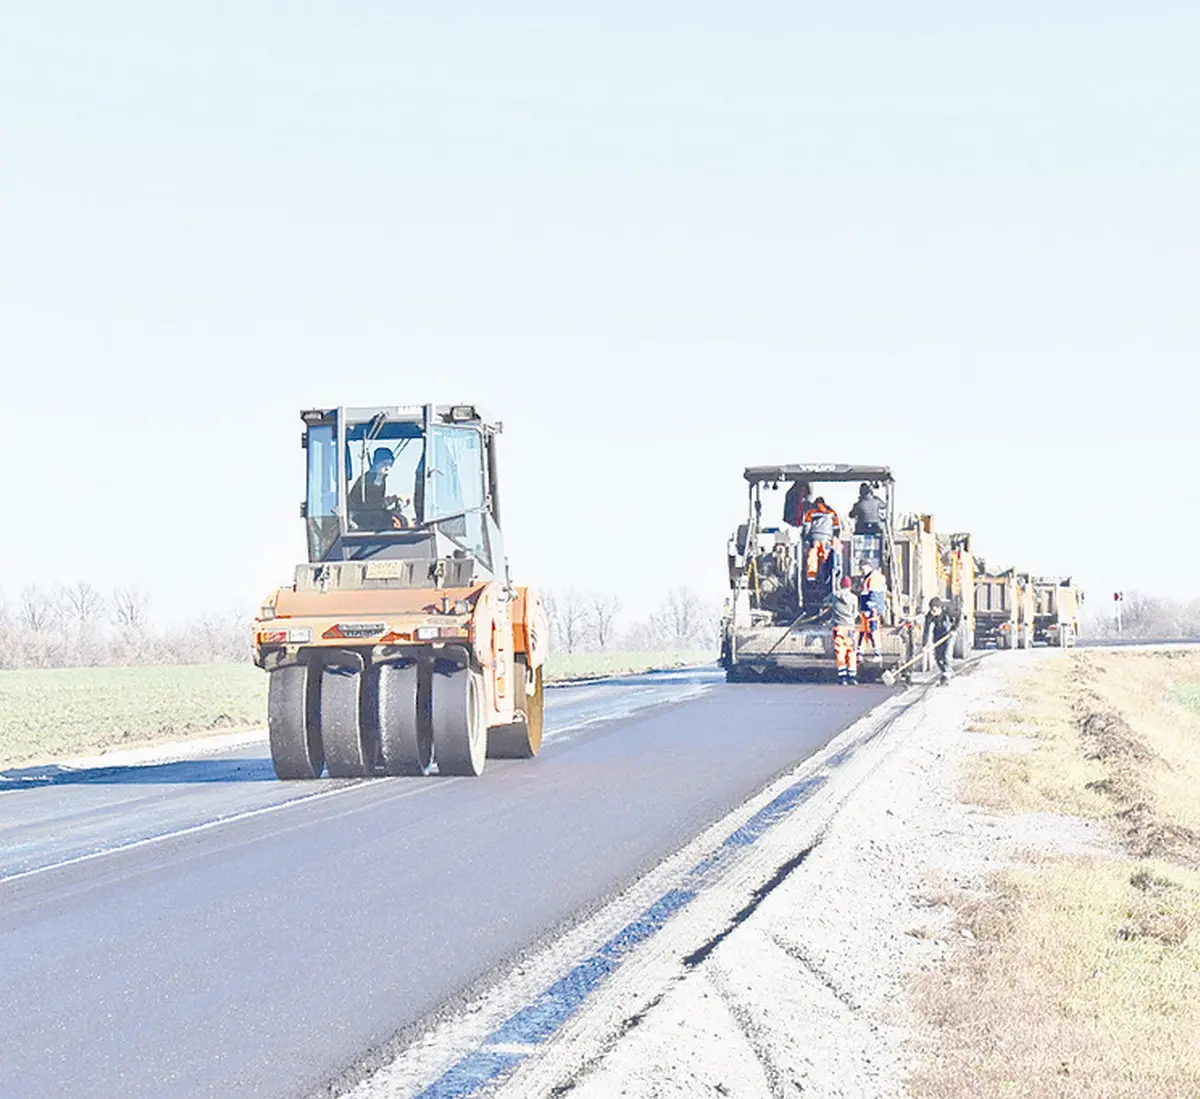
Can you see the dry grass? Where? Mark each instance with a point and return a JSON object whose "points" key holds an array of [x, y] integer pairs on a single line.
{"points": [[1083, 981], [1082, 976]]}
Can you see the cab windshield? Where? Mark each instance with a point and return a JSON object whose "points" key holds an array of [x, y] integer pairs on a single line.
{"points": [[385, 475], [396, 479]]}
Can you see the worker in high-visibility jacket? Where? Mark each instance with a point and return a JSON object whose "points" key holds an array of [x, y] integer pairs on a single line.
{"points": [[872, 605], [845, 620], [820, 527]]}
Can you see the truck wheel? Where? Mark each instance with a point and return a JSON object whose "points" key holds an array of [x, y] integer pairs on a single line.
{"points": [[349, 752], [522, 739], [459, 726], [293, 722], [402, 709]]}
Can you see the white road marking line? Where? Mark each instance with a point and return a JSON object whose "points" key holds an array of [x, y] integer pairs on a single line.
{"points": [[146, 841], [364, 784]]}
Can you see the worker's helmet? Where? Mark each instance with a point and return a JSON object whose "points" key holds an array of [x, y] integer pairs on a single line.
{"points": [[382, 457], [847, 582]]}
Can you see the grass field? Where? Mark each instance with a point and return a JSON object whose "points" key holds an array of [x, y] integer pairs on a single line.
{"points": [[1084, 979], [59, 712], [589, 665]]}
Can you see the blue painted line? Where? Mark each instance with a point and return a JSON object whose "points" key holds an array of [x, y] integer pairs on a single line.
{"points": [[472, 1073], [537, 1022], [771, 813]]}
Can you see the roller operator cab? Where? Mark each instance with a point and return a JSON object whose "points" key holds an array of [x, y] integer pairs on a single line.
{"points": [[401, 647]]}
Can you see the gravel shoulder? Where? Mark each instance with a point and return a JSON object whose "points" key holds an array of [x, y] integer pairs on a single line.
{"points": [[809, 994]]}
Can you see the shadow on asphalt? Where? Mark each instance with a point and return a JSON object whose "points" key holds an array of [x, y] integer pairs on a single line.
{"points": [[183, 772]]}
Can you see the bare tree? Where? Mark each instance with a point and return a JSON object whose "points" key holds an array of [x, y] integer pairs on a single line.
{"points": [[568, 617], [682, 620], [82, 605], [602, 615], [129, 607], [35, 610]]}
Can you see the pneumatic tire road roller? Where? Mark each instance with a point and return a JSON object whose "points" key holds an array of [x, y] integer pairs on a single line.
{"points": [[401, 648]]}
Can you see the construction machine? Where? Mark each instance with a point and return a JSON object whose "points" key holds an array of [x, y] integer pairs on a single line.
{"points": [[956, 577], [1004, 609], [402, 646], [778, 618], [1056, 611]]}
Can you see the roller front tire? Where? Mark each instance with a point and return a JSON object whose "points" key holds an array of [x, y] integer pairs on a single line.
{"points": [[293, 722], [460, 736], [405, 727]]}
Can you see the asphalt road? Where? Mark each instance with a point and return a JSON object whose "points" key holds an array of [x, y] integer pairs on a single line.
{"points": [[203, 930]]}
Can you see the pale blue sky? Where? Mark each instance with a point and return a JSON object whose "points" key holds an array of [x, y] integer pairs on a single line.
{"points": [[660, 241]]}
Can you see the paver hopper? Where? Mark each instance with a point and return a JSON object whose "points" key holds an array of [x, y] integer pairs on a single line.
{"points": [[401, 646]]}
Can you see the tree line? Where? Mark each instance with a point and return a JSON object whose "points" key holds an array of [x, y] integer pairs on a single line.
{"points": [[77, 625], [590, 621], [1151, 617]]}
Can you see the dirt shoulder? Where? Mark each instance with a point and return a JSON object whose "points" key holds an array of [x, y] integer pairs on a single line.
{"points": [[1084, 976], [1007, 907]]}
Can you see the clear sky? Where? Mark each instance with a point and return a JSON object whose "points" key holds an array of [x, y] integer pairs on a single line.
{"points": [[660, 241]]}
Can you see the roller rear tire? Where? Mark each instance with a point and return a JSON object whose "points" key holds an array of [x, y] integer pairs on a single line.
{"points": [[522, 739], [293, 723]]}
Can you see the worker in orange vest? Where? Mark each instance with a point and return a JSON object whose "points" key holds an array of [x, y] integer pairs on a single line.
{"points": [[820, 526], [872, 604], [845, 618]]}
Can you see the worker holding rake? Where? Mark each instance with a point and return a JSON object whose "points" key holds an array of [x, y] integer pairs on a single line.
{"points": [[940, 624]]}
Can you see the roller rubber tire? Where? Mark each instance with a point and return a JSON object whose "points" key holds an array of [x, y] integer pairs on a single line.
{"points": [[348, 749], [293, 723], [459, 727], [522, 739], [405, 730]]}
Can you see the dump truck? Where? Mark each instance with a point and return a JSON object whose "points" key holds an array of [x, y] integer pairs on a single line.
{"points": [[1056, 611], [401, 647], [1004, 609], [956, 578], [931, 564]]}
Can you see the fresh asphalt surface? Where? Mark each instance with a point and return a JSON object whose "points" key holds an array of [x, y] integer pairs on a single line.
{"points": [[198, 928]]}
